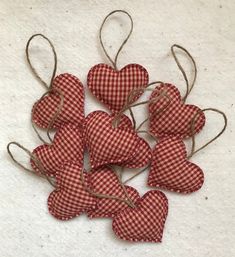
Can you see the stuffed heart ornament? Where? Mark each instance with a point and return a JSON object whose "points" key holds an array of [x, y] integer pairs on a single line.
{"points": [[171, 170], [142, 157], [108, 144], [72, 111], [105, 181], [70, 198], [144, 154], [174, 117], [67, 145], [145, 222], [112, 87]]}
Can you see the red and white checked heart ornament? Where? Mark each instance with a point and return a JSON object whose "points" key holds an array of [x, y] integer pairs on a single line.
{"points": [[171, 170], [175, 117], [112, 87], [145, 222], [70, 197], [105, 181], [72, 111], [112, 145], [68, 145]]}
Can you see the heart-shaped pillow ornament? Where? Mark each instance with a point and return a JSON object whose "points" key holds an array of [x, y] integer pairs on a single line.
{"points": [[67, 145], [112, 87], [145, 222], [170, 116], [105, 181], [171, 170], [106, 143], [70, 199], [72, 111]]}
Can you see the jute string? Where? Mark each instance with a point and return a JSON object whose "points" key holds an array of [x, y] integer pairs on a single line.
{"points": [[192, 127], [30, 63], [114, 62], [188, 86], [49, 87], [34, 158]]}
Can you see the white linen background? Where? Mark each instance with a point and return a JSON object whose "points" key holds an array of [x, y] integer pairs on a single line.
{"points": [[200, 224]]}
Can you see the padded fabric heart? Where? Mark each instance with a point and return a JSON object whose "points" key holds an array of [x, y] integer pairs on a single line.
{"points": [[145, 222], [70, 199], [73, 107], [108, 144], [68, 145], [105, 181], [112, 87], [176, 117], [171, 170]]}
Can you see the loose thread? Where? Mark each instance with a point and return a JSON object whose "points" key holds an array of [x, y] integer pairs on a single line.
{"points": [[114, 62], [34, 158], [101, 196], [192, 127], [30, 63], [188, 87], [54, 117]]}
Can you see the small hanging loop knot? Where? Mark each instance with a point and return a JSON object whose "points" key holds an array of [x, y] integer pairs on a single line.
{"points": [[188, 87], [34, 158], [192, 127], [54, 117], [30, 63], [114, 62]]}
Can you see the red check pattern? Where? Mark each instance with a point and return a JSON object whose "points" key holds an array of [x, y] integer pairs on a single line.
{"points": [[108, 144], [73, 108], [70, 199], [142, 157], [67, 145], [146, 221], [105, 181], [171, 170], [112, 87], [176, 118]]}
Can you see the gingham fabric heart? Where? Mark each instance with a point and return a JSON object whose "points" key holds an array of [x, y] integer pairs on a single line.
{"points": [[67, 145], [176, 118], [145, 222], [112, 87], [105, 181], [142, 157], [108, 144], [73, 107], [144, 154], [171, 170], [70, 199]]}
